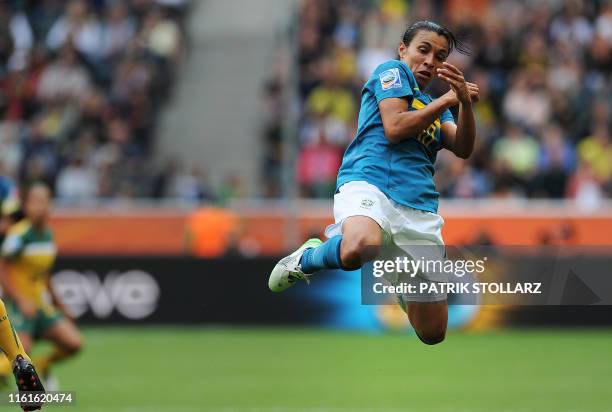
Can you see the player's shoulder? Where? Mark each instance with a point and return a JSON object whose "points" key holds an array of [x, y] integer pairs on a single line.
{"points": [[392, 65], [393, 74], [20, 228]]}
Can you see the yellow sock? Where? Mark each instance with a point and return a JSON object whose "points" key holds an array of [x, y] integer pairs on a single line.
{"points": [[44, 362], [9, 341]]}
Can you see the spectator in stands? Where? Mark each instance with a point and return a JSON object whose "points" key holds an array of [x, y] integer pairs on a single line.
{"points": [[65, 78], [318, 166], [330, 97], [21, 39], [517, 151], [596, 151], [76, 182], [118, 30], [585, 188], [78, 25]]}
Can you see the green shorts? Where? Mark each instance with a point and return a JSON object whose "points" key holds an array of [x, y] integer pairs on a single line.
{"points": [[45, 317]]}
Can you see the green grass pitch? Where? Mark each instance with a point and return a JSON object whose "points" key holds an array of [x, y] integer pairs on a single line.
{"points": [[212, 369]]}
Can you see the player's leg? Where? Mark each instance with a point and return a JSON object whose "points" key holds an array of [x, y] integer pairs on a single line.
{"points": [[10, 343], [6, 362], [67, 342], [362, 238], [14, 338], [15, 347], [429, 320], [359, 213], [359, 242]]}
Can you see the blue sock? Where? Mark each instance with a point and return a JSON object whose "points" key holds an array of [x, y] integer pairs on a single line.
{"points": [[326, 256]]}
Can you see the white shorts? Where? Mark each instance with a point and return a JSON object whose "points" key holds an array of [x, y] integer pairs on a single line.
{"points": [[417, 233]]}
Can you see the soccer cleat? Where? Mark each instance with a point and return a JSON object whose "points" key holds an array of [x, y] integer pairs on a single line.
{"points": [[288, 270], [27, 381]]}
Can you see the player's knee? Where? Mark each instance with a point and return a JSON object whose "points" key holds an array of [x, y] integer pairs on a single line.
{"points": [[359, 248], [74, 345], [432, 337]]}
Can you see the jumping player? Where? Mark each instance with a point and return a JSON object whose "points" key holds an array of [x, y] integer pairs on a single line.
{"points": [[385, 190]]}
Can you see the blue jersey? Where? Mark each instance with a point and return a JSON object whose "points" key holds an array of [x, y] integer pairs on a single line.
{"points": [[9, 201], [403, 171]]}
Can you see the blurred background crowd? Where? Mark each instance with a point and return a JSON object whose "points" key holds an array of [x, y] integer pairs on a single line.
{"points": [[544, 71], [81, 87]]}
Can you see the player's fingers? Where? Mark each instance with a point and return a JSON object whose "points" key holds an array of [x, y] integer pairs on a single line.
{"points": [[452, 81], [448, 80], [453, 68], [451, 74], [474, 94]]}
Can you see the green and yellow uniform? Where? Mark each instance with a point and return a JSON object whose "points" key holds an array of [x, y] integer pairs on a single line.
{"points": [[31, 254]]}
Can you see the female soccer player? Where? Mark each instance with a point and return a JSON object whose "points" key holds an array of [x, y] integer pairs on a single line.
{"points": [[16, 357], [28, 254], [385, 187]]}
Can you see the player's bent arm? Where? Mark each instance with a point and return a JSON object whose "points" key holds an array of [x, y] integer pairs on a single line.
{"points": [[8, 287], [401, 124], [459, 138], [57, 302]]}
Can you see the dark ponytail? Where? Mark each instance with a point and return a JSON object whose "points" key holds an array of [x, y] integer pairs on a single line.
{"points": [[453, 42]]}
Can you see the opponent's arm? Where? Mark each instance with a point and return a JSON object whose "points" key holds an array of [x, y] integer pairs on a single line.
{"points": [[401, 124], [459, 138], [25, 305], [57, 302]]}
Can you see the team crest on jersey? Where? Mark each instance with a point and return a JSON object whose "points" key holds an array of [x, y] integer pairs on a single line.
{"points": [[390, 79], [367, 203]]}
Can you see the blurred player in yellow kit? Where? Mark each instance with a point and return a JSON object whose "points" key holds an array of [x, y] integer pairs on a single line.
{"points": [[28, 253], [15, 354]]}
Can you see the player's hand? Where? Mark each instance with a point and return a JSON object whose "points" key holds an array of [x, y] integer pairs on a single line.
{"points": [[454, 77], [27, 308], [474, 91]]}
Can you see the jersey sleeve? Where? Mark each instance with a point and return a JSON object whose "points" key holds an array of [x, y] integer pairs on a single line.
{"points": [[12, 246], [391, 80], [446, 116]]}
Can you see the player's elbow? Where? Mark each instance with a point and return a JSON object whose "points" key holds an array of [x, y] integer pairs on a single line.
{"points": [[392, 133], [465, 154], [396, 134], [433, 339]]}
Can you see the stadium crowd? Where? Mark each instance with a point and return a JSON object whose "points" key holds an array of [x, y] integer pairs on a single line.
{"points": [[81, 84], [544, 71]]}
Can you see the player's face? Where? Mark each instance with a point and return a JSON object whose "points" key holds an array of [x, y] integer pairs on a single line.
{"points": [[37, 204], [425, 53]]}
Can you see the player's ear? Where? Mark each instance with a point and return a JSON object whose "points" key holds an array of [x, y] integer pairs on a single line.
{"points": [[401, 50]]}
